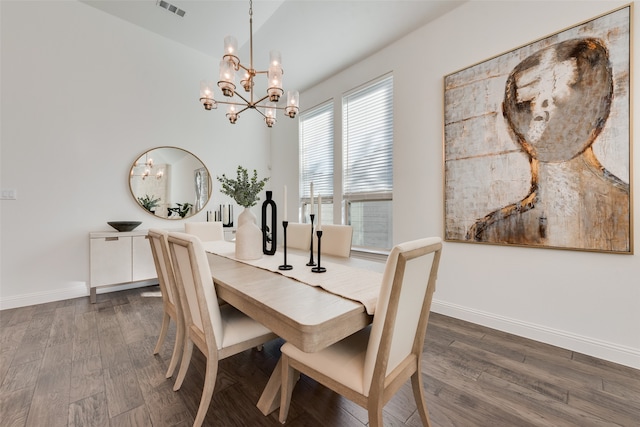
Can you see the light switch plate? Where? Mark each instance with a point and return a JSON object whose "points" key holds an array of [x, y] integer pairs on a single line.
{"points": [[9, 194]]}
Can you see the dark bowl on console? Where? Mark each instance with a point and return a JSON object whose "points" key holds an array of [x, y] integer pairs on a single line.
{"points": [[124, 225]]}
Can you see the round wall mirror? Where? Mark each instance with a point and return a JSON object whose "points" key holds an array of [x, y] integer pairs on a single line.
{"points": [[170, 183]]}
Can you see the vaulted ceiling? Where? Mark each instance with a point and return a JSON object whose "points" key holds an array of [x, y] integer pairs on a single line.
{"points": [[317, 38]]}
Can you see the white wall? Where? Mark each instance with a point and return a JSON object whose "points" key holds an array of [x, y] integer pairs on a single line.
{"points": [[84, 94], [587, 302]]}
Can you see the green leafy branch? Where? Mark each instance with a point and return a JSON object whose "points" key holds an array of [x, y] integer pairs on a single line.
{"points": [[243, 190], [148, 202]]}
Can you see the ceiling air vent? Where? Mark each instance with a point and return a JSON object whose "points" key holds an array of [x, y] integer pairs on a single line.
{"points": [[171, 8]]}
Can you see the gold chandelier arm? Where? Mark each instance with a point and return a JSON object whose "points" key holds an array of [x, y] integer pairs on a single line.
{"points": [[275, 107], [255, 106], [248, 103], [248, 70], [245, 108], [261, 99], [240, 104], [258, 110]]}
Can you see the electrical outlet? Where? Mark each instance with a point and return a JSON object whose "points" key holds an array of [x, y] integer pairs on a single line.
{"points": [[9, 194]]}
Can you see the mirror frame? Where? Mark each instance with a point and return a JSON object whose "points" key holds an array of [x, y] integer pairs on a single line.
{"points": [[196, 172]]}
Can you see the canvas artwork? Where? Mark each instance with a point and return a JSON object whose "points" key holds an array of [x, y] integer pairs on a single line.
{"points": [[537, 142], [201, 180]]}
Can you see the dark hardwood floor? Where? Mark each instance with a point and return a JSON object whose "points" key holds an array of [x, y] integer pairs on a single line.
{"points": [[72, 363]]}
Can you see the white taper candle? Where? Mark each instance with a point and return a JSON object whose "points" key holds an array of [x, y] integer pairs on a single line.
{"points": [[319, 213], [285, 203]]}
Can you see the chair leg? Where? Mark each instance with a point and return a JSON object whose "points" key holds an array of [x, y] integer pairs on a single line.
{"points": [[288, 382], [207, 392], [177, 347], [375, 416], [184, 363], [418, 394], [163, 332]]}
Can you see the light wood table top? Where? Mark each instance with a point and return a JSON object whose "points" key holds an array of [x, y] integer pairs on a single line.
{"points": [[306, 316]]}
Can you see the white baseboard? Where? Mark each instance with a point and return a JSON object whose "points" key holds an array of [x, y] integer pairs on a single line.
{"points": [[34, 298], [593, 347], [78, 290]]}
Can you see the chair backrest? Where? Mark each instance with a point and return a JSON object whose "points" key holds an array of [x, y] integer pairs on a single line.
{"points": [[158, 239], [206, 231], [195, 284], [298, 236], [336, 240], [402, 311]]}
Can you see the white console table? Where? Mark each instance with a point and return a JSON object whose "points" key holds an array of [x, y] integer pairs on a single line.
{"points": [[118, 258], [229, 233]]}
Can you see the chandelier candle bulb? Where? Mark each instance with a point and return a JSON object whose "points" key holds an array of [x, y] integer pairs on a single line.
{"points": [[270, 114], [293, 99], [231, 113], [206, 95], [230, 49], [275, 83], [227, 81], [247, 82], [275, 59]]}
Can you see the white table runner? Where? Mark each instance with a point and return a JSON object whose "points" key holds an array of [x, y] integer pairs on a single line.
{"points": [[350, 282]]}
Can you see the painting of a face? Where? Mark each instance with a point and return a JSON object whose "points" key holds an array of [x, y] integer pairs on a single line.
{"points": [[537, 142], [558, 100]]}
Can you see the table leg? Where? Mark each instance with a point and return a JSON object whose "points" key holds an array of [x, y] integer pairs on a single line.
{"points": [[270, 398]]}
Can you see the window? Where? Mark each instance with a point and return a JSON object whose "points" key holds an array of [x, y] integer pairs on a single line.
{"points": [[316, 159], [367, 149], [364, 189]]}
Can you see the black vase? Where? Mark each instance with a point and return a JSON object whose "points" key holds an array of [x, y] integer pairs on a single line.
{"points": [[269, 232]]}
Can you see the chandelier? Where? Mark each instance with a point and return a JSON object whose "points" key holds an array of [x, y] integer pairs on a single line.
{"points": [[148, 167], [230, 64]]}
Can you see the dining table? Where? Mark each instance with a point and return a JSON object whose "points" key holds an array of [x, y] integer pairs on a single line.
{"points": [[308, 309]]}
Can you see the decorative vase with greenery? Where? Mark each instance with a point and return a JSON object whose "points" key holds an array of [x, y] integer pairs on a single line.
{"points": [[244, 191]]}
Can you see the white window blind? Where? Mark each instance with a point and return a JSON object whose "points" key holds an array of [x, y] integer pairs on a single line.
{"points": [[367, 150], [316, 152], [368, 141]]}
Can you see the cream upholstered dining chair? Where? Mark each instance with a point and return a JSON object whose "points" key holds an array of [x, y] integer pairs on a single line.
{"points": [[370, 366], [218, 331], [170, 299], [298, 235], [336, 240], [206, 231]]}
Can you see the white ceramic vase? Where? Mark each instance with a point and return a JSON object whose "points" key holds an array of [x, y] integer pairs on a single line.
{"points": [[248, 236]]}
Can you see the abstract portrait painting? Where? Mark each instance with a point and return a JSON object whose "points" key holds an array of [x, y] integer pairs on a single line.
{"points": [[537, 142]]}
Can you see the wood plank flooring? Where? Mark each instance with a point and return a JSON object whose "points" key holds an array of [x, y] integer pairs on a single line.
{"points": [[72, 363]]}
